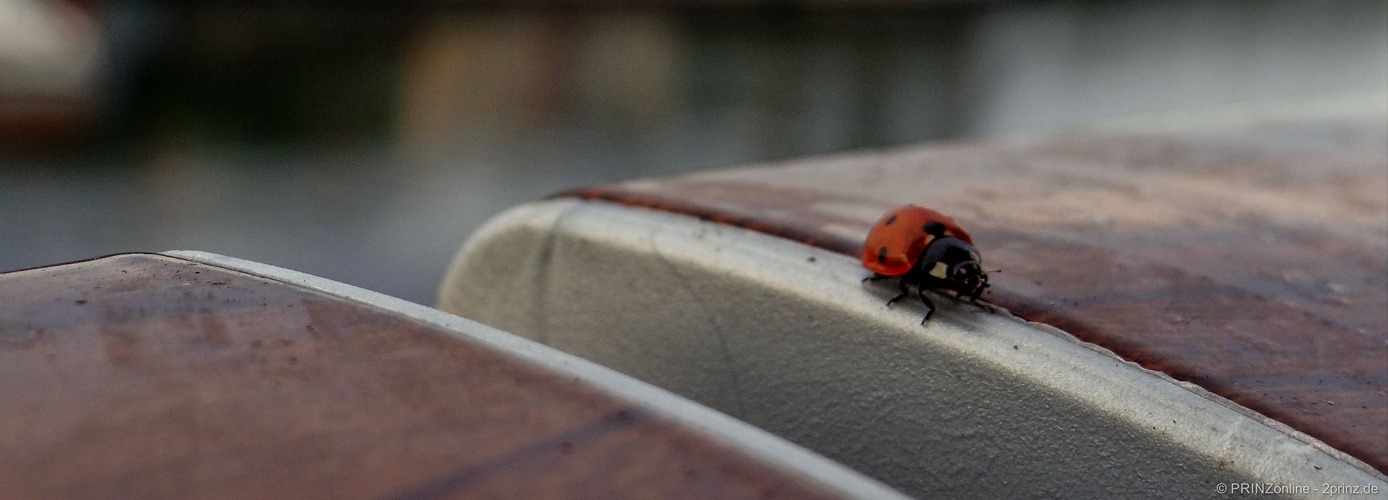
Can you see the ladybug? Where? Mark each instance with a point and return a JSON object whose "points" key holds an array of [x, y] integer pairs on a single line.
{"points": [[926, 249]]}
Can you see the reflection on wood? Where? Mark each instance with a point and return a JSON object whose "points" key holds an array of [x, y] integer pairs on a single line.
{"points": [[145, 376]]}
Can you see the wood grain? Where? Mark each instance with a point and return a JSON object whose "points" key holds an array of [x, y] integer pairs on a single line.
{"points": [[145, 376], [1249, 259]]}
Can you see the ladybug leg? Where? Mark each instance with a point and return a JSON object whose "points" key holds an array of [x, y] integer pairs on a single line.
{"points": [[920, 292], [875, 277], [974, 298], [905, 290]]}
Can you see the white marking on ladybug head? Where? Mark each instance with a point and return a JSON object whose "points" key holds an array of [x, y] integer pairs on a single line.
{"points": [[940, 270]]}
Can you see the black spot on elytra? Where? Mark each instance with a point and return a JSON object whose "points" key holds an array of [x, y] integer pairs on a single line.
{"points": [[890, 220], [882, 255]]}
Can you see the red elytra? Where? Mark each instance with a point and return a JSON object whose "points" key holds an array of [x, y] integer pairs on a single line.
{"points": [[898, 238]]}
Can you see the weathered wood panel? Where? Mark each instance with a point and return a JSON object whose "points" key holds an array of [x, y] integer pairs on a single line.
{"points": [[1250, 259], [144, 376]]}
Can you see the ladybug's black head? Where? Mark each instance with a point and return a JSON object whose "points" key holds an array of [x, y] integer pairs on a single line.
{"points": [[955, 262]]}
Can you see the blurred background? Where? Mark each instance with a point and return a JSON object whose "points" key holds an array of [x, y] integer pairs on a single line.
{"points": [[364, 142]]}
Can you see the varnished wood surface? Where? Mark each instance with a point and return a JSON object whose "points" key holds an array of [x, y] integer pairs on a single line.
{"points": [[145, 376], [1250, 259]]}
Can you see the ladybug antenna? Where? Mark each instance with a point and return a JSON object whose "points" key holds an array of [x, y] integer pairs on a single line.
{"points": [[994, 271]]}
